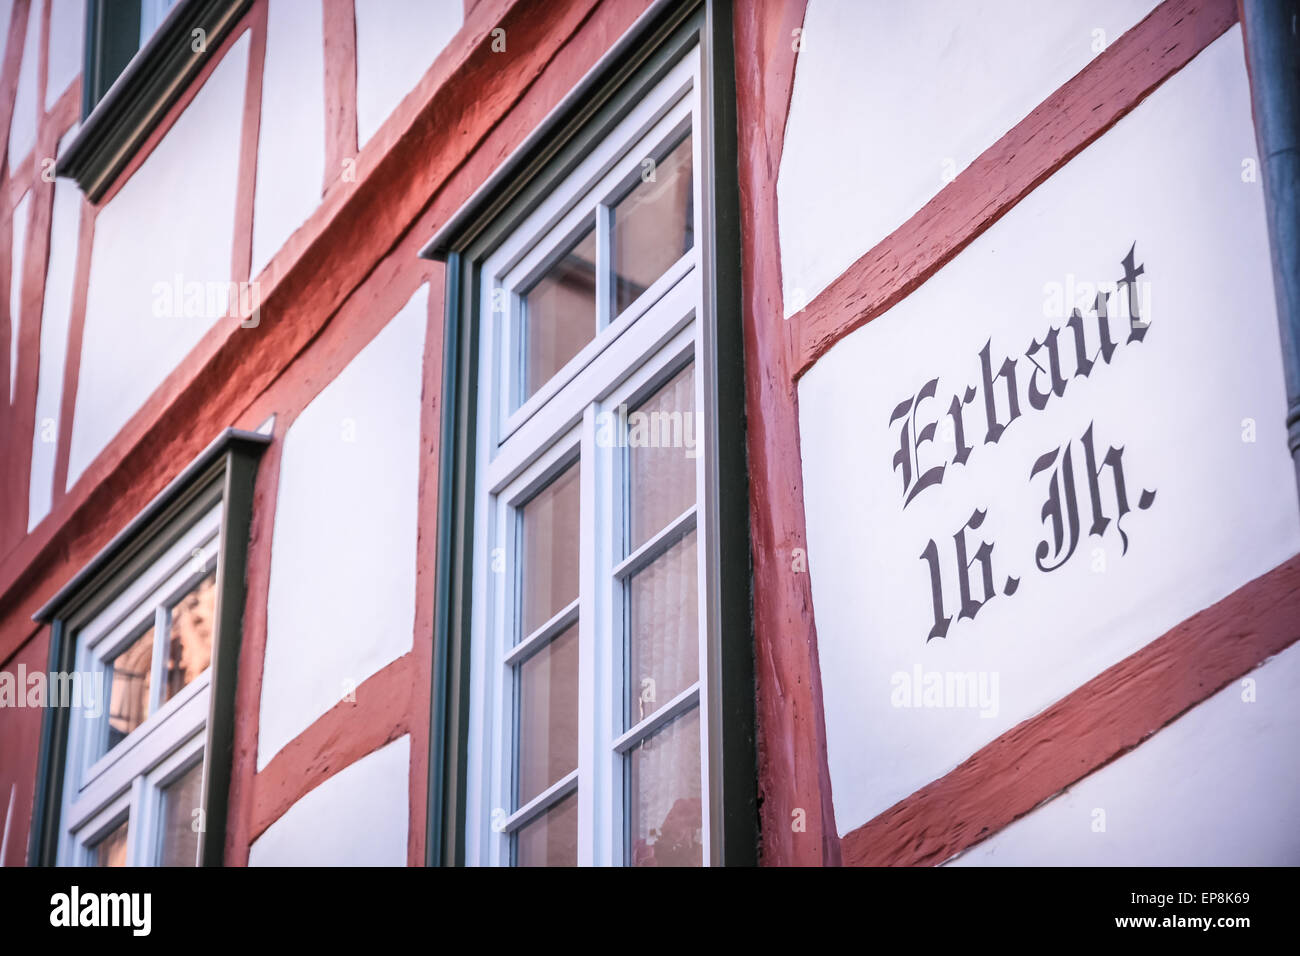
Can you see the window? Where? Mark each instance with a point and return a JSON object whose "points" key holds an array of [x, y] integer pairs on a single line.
{"points": [[589, 638], [118, 29], [145, 639], [140, 56], [135, 754]]}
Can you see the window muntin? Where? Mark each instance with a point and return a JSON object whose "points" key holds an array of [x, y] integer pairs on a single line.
{"points": [[619, 802], [123, 763]]}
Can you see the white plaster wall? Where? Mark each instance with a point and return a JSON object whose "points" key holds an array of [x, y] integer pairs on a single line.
{"points": [[358, 817], [67, 25], [291, 150], [21, 212], [890, 98], [64, 229], [173, 220], [1218, 787], [1169, 175], [397, 41], [342, 590], [22, 126]]}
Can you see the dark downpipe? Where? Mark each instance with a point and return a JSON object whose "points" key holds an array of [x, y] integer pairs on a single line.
{"points": [[1272, 32]]}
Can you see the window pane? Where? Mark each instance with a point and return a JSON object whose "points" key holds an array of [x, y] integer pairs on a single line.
{"points": [[663, 652], [662, 450], [559, 314], [152, 14], [180, 841], [548, 715], [653, 225], [129, 677], [552, 838], [664, 796], [549, 529], [190, 644], [111, 850]]}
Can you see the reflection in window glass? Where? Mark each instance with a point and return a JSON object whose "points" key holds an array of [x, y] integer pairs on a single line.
{"points": [[663, 649], [552, 838], [152, 14], [664, 795], [662, 440], [549, 530], [559, 314], [111, 849], [181, 798], [128, 678], [548, 715], [190, 639], [653, 225]]}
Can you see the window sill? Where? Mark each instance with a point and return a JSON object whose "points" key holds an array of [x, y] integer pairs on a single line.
{"points": [[139, 98]]}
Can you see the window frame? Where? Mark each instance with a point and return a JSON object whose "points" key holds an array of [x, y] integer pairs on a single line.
{"points": [[612, 92], [97, 774], [118, 113], [147, 565]]}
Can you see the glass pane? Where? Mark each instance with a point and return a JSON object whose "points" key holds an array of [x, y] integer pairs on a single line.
{"points": [[180, 839], [662, 451], [190, 645], [549, 529], [664, 794], [552, 838], [653, 225], [663, 651], [548, 715], [559, 314], [111, 850], [152, 14], [129, 676]]}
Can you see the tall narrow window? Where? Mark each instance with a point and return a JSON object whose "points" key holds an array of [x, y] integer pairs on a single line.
{"points": [[589, 622]]}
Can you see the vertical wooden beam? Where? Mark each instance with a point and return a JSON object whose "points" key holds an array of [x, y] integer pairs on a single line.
{"points": [[798, 819], [340, 88], [242, 254]]}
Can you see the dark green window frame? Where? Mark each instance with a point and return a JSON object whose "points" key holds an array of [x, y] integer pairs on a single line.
{"points": [[224, 473], [127, 88], [592, 110]]}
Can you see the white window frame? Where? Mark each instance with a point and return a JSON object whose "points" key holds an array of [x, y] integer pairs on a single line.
{"points": [[103, 788], [519, 450]]}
